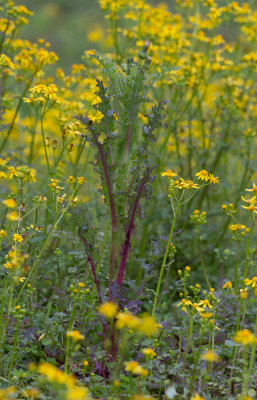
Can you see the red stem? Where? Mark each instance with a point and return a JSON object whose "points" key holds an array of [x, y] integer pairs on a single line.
{"points": [[122, 266], [91, 261], [111, 201]]}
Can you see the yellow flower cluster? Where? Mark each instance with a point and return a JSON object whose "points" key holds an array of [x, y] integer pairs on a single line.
{"points": [[42, 93], [245, 337], [54, 375], [135, 368], [144, 324], [75, 335]]}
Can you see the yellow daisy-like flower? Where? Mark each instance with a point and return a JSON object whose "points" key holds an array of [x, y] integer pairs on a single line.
{"points": [[9, 203], [148, 326], [127, 320], [206, 315], [17, 238], [245, 337], [203, 175], [243, 293], [197, 397], [213, 179], [108, 309], [228, 285], [2, 233], [251, 282], [169, 173], [81, 179], [250, 204], [77, 393], [75, 335], [253, 189], [249, 201], [149, 352], [251, 207], [210, 356], [135, 368]]}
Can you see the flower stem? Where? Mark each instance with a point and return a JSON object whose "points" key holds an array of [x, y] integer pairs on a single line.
{"points": [[164, 262], [202, 262]]}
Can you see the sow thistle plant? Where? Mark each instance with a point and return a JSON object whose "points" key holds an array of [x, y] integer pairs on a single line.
{"points": [[123, 157]]}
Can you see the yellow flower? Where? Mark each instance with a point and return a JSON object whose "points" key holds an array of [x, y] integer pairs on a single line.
{"points": [[251, 282], [250, 204], [245, 337], [2, 233], [206, 315], [71, 179], [203, 175], [77, 393], [75, 335], [243, 293], [60, 199], [249, 201], [228, 285], [149, 352], [213, 179], [251, 207], [127, 320], [81, 180], [148, 326], [135, 368], [185, 184], [210, 356], [236, 227], [2, 175], [197, 397], [6, 394], [81, 284], [52, 374], [253, 189], [9, 203], [108, 309], [85, 363], [169, 173], [17, 238]]}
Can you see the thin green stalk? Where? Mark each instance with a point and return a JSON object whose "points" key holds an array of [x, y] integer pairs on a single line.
{"points": [[17, 110], [236, 269], [239, 314], [202, 261], [189, 338], [7, 279], [245, 372], [32, 140], [195, 364], [44, 142], [14, 348], [69, 339], [7, 315], [164, 263], [248, 252]]}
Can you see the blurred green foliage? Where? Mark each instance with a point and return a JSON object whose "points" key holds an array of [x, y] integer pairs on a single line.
{"points": [[65, 25]]}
